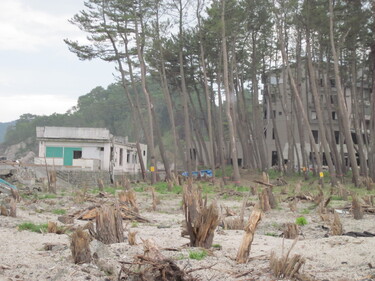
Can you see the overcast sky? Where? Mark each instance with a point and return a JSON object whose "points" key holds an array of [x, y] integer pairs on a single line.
{"points": [[38, 74]]}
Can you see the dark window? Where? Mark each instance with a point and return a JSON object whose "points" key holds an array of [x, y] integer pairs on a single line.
{"points": [[265, 114], [275, 158], [333, 83], [337, 137], [101, 148], [334, 115], [315, 135], [280, 113], [121, 156], [144, 152], [273, 133], [128, 156], [77, 154], [274, 113], [354, 138]]}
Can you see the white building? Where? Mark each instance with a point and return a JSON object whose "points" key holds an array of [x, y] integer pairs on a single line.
{"points": [[89, 148]]}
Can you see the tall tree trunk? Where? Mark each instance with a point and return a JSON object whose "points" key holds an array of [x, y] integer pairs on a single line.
{"points": [[229, 100], [318, 110], [341, 103]]}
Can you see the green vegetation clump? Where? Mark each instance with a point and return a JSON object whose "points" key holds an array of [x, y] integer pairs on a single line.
{"points": [[216, 246], [301, 221], [273, 234], [39, 228], [59, 212], [197, 255]]}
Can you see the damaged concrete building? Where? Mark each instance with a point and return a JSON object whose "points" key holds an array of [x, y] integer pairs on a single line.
{"points": [[90, 149]]}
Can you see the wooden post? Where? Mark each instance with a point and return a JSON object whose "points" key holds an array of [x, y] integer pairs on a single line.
{"points": [[247, 239]]}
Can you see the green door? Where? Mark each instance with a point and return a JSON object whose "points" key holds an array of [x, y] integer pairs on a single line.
{"points": [[68, 155]]}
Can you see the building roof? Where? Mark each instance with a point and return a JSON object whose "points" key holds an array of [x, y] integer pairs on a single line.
{"points": [[73, 133]]}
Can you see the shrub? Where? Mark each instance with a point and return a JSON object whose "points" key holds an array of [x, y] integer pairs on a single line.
{"points": [[301, 221], [197, 255]]}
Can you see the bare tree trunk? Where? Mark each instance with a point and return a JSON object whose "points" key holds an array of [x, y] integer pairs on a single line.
{"points": [[319, 112], [229, 101], [341, 104]]}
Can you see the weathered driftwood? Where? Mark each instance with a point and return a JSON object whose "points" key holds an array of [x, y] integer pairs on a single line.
{"points": [[356, 207], [109, 228], [247, 239], [152, 266], [290, 231], [79, 246], [201, 221], [336, 226], [285, 267]]}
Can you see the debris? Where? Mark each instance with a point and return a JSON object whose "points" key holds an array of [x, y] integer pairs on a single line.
{"points": [[285, 267], [247, 239], [66, 219], [128, 198], [359, 234]]}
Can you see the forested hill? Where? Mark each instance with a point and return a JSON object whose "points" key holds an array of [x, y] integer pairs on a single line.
{"points": [[3, 128], [104, 108]]}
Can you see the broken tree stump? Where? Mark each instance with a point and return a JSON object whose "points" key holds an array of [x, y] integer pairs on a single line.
{"points": [[247, 239], [12, 208], [264, 201], [290, 231], [109, 228], [285, 267], [129, 198], [357, 209], [201, 221], [100, 184], [51, 227], [80, 246], [336, 227], [132, 238]]}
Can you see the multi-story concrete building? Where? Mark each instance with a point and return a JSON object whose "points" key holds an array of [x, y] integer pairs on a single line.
{"points": [[280, 105], [87, 148]]}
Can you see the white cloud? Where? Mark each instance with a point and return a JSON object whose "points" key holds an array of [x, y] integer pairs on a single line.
{"points": [[25, 28], [14, 106]]}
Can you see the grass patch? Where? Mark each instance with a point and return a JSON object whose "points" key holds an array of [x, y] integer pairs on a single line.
{"points": [[197, 255], [47, 196], [216, 246], [273, 234], [162, 187], [301, 221], [59, 212], [134, 224], [305, 211], [39, 228]]}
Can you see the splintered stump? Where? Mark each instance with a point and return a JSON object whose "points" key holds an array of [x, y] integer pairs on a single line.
{"points": [[336, 227], [132, 238], [12, 208], [129, 199], [357, 209], [247, 239], [290, 231], [109, 227], [80, 241], [201, 221], [286, 267]]}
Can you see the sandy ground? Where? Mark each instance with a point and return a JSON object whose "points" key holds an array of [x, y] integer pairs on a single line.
{"points": [[23, 257]]}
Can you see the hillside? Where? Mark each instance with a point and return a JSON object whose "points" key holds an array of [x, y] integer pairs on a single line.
{"points": [[3, 129]]}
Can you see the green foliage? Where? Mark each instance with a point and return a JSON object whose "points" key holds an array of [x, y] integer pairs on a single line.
{"points": [[197, 255], [273, 234], [59, 212], [39, 228], [301, 221], [134, 224], [162, 187], [305, 211], [216, 246], [47, 196]]}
